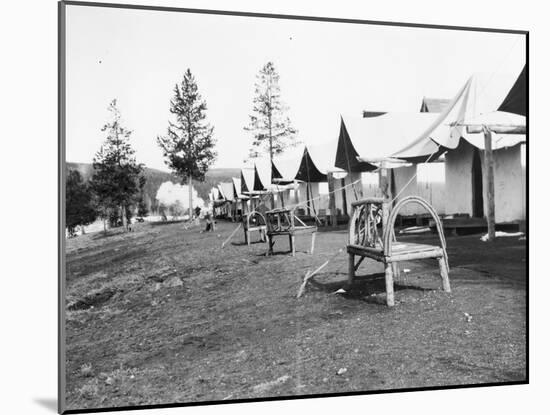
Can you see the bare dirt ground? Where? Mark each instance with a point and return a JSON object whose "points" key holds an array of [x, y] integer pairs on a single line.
{"points": [[163, 315]]}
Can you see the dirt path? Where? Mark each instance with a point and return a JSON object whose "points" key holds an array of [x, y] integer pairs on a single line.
{"points": [[164, 315]]}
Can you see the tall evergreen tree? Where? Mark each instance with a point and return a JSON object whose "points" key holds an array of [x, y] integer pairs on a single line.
{"points": [[142, 204], [116, 173], [272, 129], [188, 147], [79, 206]]}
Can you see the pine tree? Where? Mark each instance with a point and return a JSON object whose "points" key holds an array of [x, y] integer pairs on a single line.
{"points": [[79, 207], [116, 173], [142, 204], [272, 129], [188, 147]]}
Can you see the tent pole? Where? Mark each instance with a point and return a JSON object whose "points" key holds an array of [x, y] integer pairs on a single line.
{"points": [[331, 200], [490, 192]]}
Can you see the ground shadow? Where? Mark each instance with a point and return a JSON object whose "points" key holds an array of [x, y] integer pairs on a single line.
{"points": [[289, 253], [363, 286], [244, 243], [48, 403]]}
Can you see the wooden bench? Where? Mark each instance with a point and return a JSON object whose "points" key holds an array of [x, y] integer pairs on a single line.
{"points": [[252, 222], [372, 235], [285, 222]]}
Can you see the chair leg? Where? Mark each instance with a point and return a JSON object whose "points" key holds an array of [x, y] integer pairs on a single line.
{"points": [[247, 237], [396, 270], [443, 271], [389, 284], [293, 245], [351, 269], [269, 246], [312, 242]]}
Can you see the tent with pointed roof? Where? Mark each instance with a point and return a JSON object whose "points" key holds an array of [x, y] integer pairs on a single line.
{"points": [[285, 166], [247, 180], [457, 130], [475, 103], [364, 143]]}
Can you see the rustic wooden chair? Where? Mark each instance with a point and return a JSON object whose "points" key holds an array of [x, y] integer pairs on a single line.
{"points": [[285, 221], [365, 240], [254, 221]]}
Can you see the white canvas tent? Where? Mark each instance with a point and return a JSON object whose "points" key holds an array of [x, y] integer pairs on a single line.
{"points": [[366, 144], [458, 130]]}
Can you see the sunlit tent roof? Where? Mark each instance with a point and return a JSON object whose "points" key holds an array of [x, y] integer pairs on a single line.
{"points": [[237, 188], [318, 160], [364, 142], [285, 166], [434, 104], [247, 180], [474, 104], [227, 191], [516, 100]]}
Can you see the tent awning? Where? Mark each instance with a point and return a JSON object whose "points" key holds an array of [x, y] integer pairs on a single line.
{"points": [[475, 102], [364, 142]]}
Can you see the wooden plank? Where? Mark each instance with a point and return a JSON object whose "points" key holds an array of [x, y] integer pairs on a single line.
{"points": [[436, 253], [372, 200], [497, 128]]}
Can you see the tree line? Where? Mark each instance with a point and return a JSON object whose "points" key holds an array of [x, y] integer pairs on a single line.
{"points": [[115, 192]]}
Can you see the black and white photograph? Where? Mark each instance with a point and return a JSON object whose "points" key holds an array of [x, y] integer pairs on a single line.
{"points": [[258, 207]]}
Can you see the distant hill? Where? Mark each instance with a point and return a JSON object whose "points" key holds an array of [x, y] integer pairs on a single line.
{"points": [[156, 177]]}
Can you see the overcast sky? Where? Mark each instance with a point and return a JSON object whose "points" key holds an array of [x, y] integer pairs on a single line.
{"points": [[326, 69]]}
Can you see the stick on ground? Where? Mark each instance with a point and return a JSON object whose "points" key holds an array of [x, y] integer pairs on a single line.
{"points": [[232, 234]]}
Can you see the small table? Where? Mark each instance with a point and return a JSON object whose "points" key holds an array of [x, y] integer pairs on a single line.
{"points": [[281, 222]]}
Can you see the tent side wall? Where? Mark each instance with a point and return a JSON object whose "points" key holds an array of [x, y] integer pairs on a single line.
{"points": [[402, 176], [509, 181], [458, 180], [509, 185], [431, 184]]}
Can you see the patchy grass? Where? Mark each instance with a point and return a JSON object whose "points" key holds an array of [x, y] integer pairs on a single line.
{"points": [[165, 315]]}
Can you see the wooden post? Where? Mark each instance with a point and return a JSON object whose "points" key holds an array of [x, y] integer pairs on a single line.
{"points": [[344, 197], [443, 271], [351, 269], [389, 284], [490, 188], [331, 200]]}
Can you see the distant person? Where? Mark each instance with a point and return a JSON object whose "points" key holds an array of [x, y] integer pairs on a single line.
{"points": [[197, 211], [210, 222]]}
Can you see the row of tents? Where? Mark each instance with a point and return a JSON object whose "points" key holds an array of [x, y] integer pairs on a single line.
{"points": [[437, 153]]}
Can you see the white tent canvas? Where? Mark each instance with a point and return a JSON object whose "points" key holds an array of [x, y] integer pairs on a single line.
{"points": [[475, 103], [465, 171]]}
